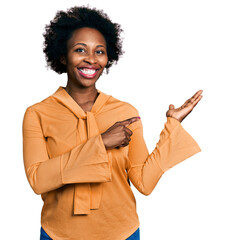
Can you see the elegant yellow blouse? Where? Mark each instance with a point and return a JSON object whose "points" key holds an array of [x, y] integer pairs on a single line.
{"points": [[86, 188]]}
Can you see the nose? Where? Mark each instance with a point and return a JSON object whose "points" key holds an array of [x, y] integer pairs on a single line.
{"points": [[90, 58]]}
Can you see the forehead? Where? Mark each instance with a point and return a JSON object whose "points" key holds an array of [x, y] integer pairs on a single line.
{"points": [[89, 36]]}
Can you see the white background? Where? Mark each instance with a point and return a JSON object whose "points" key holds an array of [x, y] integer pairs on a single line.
{"points": [[172, 49]]}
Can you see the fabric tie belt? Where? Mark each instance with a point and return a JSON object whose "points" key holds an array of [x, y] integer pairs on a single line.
{"points": [[87, 196]]}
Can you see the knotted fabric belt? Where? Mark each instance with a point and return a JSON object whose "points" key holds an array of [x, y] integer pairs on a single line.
{"points": [[87, 196]]}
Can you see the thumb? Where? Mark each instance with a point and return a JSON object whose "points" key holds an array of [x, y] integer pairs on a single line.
{"points": [[171, 107]]}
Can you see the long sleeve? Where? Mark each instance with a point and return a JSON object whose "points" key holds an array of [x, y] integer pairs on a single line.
{"points": [[174, 146], [85, 163]]}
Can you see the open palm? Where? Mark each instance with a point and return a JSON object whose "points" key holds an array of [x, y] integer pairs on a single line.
{"points": [[182, 112]]}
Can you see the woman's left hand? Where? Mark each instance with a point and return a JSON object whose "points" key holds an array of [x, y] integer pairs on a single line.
{"points": [[182, 112]]}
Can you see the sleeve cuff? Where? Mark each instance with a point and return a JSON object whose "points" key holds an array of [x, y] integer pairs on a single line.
{"points": [[87, 162], [177, 145]]}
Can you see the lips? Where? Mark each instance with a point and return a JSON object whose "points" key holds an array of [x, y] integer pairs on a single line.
{"points": [[88, 72]]}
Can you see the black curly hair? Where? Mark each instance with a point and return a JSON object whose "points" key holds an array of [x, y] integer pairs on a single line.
{"points": [[61, 28]]}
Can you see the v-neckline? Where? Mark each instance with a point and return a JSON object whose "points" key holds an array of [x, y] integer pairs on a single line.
{"points": [[64, 97], [79, 104]]}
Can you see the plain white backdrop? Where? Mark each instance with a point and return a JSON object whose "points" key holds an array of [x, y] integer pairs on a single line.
{"points": [[172, 49]]}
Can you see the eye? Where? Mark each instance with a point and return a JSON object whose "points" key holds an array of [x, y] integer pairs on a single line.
{"points": [[99, 52], [79, 50]]}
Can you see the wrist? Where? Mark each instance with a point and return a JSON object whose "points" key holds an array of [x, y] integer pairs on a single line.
{"points": [[179, 120]]}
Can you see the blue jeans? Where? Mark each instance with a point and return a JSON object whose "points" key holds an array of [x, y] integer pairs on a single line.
{"points": [[44, 235], [134, 236]]}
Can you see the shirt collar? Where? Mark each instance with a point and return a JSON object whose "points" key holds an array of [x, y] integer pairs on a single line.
{"points": [[64, 98]]}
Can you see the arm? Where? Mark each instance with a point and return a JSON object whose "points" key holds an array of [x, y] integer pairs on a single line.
{"points": [[174, 146], [85, 163]]}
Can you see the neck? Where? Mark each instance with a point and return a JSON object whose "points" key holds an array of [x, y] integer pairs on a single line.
{"points": [[82, 95]]}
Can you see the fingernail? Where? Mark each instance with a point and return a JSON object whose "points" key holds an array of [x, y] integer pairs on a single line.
{"points": [[139, 117]]}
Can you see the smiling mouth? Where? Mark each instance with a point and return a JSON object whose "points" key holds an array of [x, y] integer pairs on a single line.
{"points": [[87, 72]]}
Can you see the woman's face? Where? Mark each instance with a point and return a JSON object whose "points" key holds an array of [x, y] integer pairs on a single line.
{"points": [[86, 56]]}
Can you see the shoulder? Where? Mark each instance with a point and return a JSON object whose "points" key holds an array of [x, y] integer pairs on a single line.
{"points": [[128, 107], [43, 107], [39, 105]]}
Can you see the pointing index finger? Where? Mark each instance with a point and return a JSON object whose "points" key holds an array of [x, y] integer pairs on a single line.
{"points": [[129, 121]]}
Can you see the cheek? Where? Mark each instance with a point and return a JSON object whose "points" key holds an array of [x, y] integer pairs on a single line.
{"points": [[104, 61], [73, 59]]}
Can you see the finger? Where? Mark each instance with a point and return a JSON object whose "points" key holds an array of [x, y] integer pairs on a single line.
{"points": [[171, 107], [128, 131], [197, 100], [192, 99], [196, 95], [124, 143], [128, 137], [129, 121]]}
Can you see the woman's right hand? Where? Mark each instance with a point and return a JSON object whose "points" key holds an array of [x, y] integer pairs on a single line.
{"points": [[118, 135]]}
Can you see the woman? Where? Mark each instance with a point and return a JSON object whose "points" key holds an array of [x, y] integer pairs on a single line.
{"points": [[82, 147]]}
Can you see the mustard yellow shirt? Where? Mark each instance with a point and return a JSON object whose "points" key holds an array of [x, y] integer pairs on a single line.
{"points": [[85, 188]]}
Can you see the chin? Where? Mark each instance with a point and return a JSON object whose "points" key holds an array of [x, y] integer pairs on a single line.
{"points": [[87, 82]]}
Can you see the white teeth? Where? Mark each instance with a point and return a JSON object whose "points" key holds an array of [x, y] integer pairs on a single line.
{"points": [[87, 71]]}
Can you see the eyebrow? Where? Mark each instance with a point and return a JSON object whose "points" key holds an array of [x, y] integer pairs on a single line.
{"points": [[86, 45]]}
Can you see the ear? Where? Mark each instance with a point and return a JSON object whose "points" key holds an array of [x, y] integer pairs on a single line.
{"points": [[63, 60]]}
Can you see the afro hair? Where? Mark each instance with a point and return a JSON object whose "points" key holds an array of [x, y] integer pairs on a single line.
{"points": [[61, 28]]}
